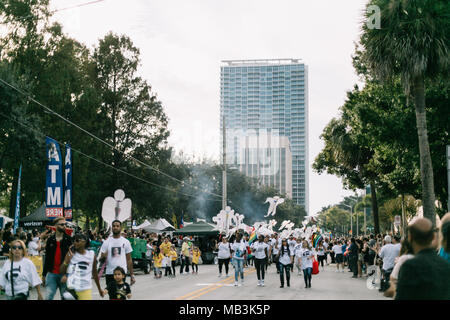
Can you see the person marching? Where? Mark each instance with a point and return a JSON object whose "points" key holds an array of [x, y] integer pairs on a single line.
{"points": [[321, 257], [261, 251], [285, 259], [239, 249], [298, 254], [116, 250], [19, 274], [224, 255], [195, 259], [173, 257], [306, 261], [81, 266], [157, 262]]}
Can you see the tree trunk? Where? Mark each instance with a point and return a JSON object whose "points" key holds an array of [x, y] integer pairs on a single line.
{"points": [[373, 197], [426, 166]]}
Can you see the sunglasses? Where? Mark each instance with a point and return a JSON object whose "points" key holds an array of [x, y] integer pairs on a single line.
{"points": [[16, 248]]}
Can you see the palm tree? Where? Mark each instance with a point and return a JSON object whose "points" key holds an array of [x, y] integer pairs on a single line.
{"points": [[413, 42]]}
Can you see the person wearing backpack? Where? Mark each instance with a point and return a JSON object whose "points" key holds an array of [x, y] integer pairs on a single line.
{"points": [[224, 255]]}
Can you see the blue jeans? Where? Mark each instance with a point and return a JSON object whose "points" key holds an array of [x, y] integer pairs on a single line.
{"points": [[307, 276], [285, 267], [52, 283], [238, 268]]}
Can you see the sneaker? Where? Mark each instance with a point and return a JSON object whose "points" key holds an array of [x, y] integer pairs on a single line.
{"points": [[259, 283], [242, 281], [342, 271], [337, 271], [235, 283], [262, 283]]}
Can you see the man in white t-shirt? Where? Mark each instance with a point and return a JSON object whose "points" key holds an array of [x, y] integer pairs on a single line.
{"points": [[117, 252], [337, 249], [275, 244], [388, 253]]}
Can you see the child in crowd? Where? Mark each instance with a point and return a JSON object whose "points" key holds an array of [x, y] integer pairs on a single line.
{"points": [[195, 258], [157, 262], [119, 289], [173, 255]]}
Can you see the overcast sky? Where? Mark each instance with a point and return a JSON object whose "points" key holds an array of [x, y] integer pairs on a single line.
{"points": [[182, 43]]}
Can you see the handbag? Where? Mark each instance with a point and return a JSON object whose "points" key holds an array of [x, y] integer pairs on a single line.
{"points": [[20, 296], [315, 269]]}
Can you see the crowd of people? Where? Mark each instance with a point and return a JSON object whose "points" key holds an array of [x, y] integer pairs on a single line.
{"points": [[415, 267]]}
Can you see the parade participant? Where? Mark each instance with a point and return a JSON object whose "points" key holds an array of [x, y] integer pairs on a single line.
{"points": [[173, 258], [34, 246], [165, 246], [223, 255], [275, 250], [19, 274], [195, 259], [185, 255], [388, 253], [426, 276], [260, 250], [157, 262], [325, 250], [56, 248], [80, 265], [285, 258], [306, 260], [331, 252], [239, 250], [444, 251], [337, 249], [298, 253], [117, 252], [321, 254], [268, 258], [119, 289], [292, 243]]}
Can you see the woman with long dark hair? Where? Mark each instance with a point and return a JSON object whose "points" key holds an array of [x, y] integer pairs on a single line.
{"points": [[285, 260], [223, 255], [260, 250]]}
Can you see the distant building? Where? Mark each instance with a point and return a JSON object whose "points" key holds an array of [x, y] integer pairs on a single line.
{"points": [[267, 98]]}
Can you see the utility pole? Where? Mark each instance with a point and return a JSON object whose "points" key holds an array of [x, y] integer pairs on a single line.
{"points": [[224, 171]]}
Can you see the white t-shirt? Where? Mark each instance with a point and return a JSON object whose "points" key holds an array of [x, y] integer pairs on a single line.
{"points": [[239, 249], [399, 263], [337, 248], [80, 271], [259, 248], [275, 245], [117, 250], [24, 275], [33, 247], [292, 244], [320, 252], [307, 258], [388, 253], [325, 246], [298, 249], [285, 257], [224, 250]]}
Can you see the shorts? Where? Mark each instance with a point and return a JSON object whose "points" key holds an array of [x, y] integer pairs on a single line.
{"points": [[339, 258]]}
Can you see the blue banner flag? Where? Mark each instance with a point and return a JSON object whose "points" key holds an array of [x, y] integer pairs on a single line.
{"points": [[17, 213], [54, 184], [68, 184]]}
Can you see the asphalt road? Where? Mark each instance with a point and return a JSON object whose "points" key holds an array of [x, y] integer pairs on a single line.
{"points": [[206, 285]]}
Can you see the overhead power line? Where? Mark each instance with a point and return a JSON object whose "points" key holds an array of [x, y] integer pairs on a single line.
{"points": [[101, 140], [27, 126]]}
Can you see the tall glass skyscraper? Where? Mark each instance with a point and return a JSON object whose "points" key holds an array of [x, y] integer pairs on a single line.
{"points": [[267, 98]]}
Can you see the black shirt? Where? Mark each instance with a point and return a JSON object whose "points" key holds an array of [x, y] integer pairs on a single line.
{"points": [[118, 291], [426, 276]]}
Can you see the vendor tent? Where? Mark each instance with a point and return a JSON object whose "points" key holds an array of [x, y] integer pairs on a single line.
{"points": [[36, 219], [4, 220], [197, 229], [146, 223], [159, 225]]}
